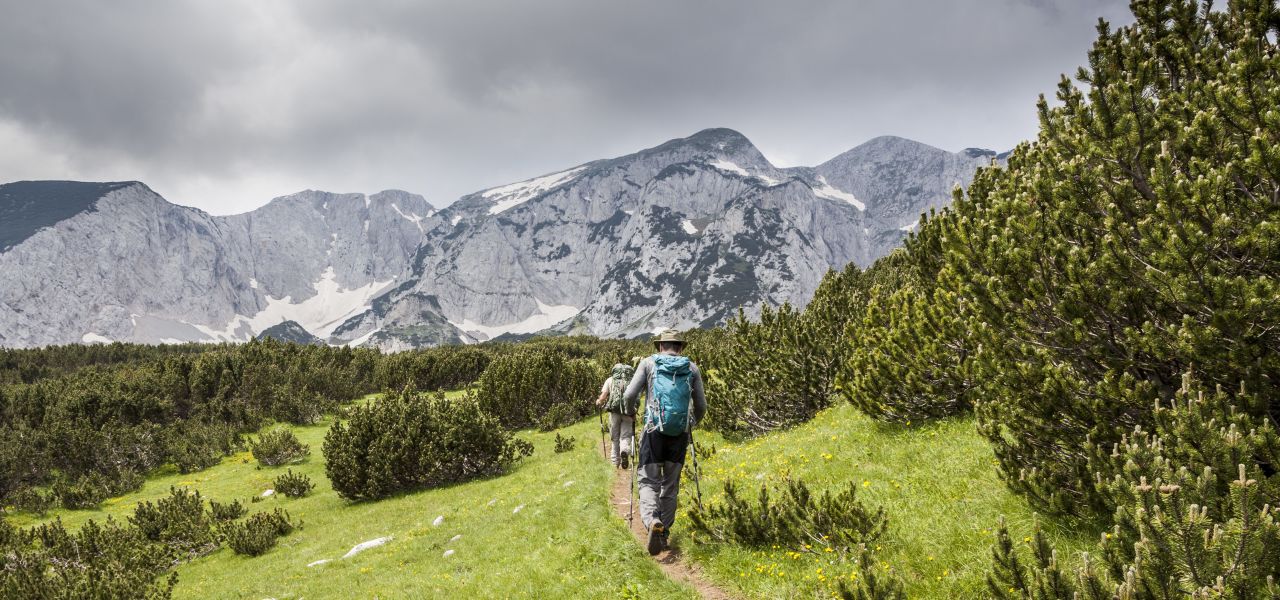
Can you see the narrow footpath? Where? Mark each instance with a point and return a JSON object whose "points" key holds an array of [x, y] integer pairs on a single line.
{"points": [[670, 560]]}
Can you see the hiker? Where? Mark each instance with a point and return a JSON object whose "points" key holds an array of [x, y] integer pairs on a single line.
{"points": [[672, 386], [622, 415]]}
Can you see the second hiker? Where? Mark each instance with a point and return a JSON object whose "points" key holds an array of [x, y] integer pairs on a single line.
{"points": [[673, 390], [622, 415]]}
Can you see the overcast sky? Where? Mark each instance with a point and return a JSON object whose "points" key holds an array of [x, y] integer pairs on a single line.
{"points": [[225, 104]]}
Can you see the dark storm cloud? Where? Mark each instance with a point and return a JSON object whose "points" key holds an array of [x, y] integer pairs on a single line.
{"points": [[223, 105]]}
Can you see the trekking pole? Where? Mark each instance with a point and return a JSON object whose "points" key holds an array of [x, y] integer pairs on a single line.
{"points": [[697, 471], [635, 469], [603, 450]]}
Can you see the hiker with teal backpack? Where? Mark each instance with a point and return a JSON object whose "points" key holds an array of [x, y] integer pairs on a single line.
{"points": [[674, 402], [622, 415]]}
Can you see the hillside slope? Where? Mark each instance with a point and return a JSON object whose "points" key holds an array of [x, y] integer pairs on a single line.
{"points": [[937, 482], [563, 542]]}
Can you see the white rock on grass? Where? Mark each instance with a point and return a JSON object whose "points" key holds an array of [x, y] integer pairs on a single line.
{"points": [[492, 502], [320, 562], [268, 493], [448, 553], [568, 483], [455, 538], [438, 522], [518, 509], [362, 546]]}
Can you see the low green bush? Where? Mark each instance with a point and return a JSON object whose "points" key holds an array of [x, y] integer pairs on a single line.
{"points": [[442, 368], [32, 500], [839, 524], [541, 387], [179, 522], [198, 446], [411, 441], [223, 512], [797, 519], [258, 533], [89, 490], [278, 447], [107, 560], [294, 485], [564, 444]]}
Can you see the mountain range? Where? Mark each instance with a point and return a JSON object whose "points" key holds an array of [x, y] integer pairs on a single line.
{"points": [[678, 235]]}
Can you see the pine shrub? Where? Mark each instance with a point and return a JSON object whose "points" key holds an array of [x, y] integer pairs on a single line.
{"points": [[258, 533], [88, 491], [798, 518], [198, 446], [412, 441], [223, 512], [1133, 239], [1196, 512], [564, 444], [32, 500], [89, 421], [538, 386], [293, 485], [872, 582], [179, 522], [278, 447], [433, 369], [105, 560], [910, 358]]}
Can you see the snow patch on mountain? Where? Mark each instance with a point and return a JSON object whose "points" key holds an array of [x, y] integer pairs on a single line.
{"points": [[417, 220], [356, 343], [689, 227], [909, 227], [515, 194], [826, 190], [547, 315], [320, 314], [729, 167], [93, 338]]}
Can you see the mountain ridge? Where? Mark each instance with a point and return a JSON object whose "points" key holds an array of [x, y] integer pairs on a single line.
{"points": [[680, 233]]}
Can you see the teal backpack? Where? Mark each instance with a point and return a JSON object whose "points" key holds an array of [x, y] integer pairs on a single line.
{"points": [[621, 376], [667, 407]]}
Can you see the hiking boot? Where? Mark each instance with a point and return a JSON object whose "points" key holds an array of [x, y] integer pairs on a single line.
{"points": [[623, 462], [657, 539]]}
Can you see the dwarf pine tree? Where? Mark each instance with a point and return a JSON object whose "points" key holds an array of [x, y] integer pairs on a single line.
{"points": [[910, 348], [781, 369], [1197, 512], [1135, 237]]}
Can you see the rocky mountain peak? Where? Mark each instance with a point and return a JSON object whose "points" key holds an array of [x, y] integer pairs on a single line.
{"points": [[29, 206], [708, 144]]}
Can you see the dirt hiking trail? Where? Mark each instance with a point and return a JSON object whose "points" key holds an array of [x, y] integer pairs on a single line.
{"points": [[670, 560]]}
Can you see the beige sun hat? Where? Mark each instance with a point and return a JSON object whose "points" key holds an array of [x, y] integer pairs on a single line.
{"points": [[669, 335]]}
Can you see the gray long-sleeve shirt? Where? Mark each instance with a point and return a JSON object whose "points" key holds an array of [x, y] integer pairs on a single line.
{"points": [[642, 380]]}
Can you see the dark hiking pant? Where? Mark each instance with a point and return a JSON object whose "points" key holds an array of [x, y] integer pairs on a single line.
{"points": [[661, 460]]}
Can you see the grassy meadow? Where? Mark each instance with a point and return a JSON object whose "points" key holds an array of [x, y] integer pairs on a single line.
{"points": [[562, 542], [937, 482]]}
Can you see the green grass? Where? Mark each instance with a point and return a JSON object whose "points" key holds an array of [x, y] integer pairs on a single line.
{"points": [[564, 543], [937, 482]]}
